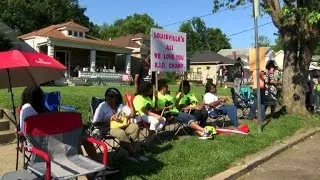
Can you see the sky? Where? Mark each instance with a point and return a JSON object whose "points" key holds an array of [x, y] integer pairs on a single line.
{"points": [[166, 12]]}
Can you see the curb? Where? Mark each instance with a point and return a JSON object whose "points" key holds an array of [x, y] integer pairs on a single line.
{"points": [[252, 161]]}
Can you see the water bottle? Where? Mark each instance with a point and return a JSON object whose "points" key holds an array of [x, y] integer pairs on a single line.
{"points": [[119, 110]]}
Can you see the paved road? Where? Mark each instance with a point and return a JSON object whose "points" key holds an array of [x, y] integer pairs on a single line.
{"points": [[299, 162]]}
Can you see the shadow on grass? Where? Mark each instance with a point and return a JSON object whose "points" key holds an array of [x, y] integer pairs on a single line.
{"points": [[281, 112], [142, 169]]}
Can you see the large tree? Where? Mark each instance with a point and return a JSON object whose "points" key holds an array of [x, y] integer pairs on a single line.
{"points": [[263, 41], [200, 37], [298, 23], [5, 44], [278, 45], [25, 16], [134, 24]]}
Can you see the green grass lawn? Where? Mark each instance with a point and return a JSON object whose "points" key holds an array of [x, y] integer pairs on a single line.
{"points": [[185, 158]]}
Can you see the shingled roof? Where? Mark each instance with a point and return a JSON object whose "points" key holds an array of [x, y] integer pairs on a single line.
{"points": [[210, 57], [53, 31], [127, 40]]}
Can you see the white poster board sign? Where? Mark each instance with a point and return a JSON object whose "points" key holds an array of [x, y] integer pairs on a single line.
{"points": [[168, 51]]}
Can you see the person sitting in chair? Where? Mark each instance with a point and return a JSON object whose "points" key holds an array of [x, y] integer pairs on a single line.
{"points": [[144, 107], [164, 99], [112, 112], [217, 106], [187, 100]]}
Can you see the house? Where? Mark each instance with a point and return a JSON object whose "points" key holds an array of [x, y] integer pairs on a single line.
{"points": [[138, 43], [243, 53], [70, 44], [12, 36], [313, 65], [205, 65]]}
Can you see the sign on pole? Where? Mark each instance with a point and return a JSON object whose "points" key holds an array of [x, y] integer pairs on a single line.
{"points": [[262, 58], [256, 8], [168, 51]]}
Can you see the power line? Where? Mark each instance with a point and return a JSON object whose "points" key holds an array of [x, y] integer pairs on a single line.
{"points": [[205, 15], [248, 29]]}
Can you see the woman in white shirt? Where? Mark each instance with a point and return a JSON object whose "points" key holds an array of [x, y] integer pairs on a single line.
{"points": [[217, 104], [32, 103], [111, 112]]}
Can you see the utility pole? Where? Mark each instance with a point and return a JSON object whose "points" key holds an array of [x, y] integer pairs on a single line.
{"points": [[256, 12]]}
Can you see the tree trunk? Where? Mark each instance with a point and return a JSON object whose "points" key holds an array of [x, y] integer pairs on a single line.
{"points": [[295, 74]]}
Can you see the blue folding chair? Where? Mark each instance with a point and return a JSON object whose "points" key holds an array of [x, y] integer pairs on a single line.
{"points": [[52, 102]]}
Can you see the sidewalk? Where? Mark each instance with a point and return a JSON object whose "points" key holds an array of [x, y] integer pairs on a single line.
{"points": [[299, 162]]}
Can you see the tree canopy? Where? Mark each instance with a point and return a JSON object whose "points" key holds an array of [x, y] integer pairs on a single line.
{"points": [[263, 41], [25, 16], [200, 37], [134, 24], [298, 23]]}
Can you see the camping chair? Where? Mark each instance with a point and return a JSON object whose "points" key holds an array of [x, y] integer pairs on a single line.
{"points": [[144, 132], [217, 115], [242, 102], [54, 138], [105, 136], [52, 102], [144, 126]]}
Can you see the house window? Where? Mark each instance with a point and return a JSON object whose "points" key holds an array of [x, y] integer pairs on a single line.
{"points": [[199, 70], [70, 33], [80, 34], [75, 33]]}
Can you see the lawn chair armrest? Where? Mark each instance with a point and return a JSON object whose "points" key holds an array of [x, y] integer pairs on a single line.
{"points": [[46, 157], [68, 108], [105, 149]]}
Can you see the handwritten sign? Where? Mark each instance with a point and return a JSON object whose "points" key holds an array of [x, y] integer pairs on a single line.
{"points": [[168, 51]]}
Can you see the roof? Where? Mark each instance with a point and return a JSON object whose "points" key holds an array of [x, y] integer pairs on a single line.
{"points": [[241, 52], [127, 40], [210, 57], [53, 32]]}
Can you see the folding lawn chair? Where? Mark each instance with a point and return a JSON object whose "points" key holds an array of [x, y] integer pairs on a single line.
{"points": [[216, 116], [91, 127], [143, 125], [54, 140], [242, 102], [52, 102]]}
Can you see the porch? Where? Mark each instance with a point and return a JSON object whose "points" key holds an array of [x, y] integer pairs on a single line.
{"points": [[88, 60]]}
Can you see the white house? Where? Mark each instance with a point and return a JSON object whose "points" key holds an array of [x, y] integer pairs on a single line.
{"points": [[70, 44]]}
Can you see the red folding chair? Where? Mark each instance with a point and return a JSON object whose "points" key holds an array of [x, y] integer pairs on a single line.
{"points": [[54, 139]]}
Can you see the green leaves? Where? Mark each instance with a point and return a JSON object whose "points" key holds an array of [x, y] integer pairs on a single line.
{"points": [[134, 24], [200, 37], [27, 16], [314, 17]]}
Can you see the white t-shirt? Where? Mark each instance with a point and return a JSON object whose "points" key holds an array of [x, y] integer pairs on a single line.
{"points": [[104, 112], [210, 98], [26, 111]]}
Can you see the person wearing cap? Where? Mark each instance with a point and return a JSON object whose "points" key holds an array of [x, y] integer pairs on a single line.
{"points": [[237, 75]]}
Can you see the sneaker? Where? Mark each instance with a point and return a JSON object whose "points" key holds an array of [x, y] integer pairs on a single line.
{"points": [[205, 135], [143, 158]]}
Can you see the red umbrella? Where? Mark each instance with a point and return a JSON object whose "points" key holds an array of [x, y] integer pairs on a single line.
{"points": [[18, 69]]}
